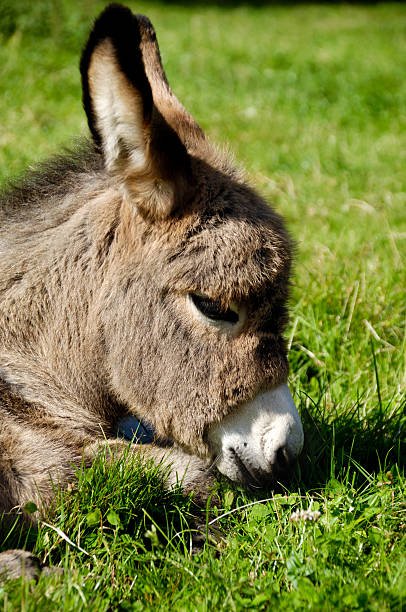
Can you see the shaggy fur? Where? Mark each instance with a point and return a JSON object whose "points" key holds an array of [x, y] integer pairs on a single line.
{"points": [[99, 249]]}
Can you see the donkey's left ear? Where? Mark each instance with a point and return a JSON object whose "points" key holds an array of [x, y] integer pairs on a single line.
{"points": [[138, 145]]}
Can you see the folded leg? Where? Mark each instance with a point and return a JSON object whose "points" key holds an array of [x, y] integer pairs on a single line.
{"points": [[34, 461]]}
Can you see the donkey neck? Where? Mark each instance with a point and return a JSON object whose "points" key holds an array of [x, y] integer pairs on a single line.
{"points": [[49, 291]]}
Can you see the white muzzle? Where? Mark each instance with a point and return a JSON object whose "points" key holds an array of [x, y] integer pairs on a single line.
{"points": [[258, 442]]}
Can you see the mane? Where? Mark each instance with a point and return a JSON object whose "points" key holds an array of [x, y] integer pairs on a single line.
{"points": [[40, 186], [54, 178]]}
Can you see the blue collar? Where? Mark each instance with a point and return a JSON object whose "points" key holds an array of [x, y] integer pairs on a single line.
{"points": [[136, 430]]}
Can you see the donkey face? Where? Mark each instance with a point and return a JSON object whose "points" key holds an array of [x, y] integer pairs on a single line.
{"points": [[193, 299]]}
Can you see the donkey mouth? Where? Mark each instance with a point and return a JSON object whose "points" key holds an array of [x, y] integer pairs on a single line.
{"points": [[248, 476], [254, 478], [257, 444]]}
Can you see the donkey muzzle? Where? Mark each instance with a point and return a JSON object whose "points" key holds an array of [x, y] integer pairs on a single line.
{"points": [[257, 443]]}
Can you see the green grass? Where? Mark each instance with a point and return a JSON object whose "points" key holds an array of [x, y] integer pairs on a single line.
{"points": [[313, 102]]}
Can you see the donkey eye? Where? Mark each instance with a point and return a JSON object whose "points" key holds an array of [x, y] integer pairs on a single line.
{"points": [[213, 310]]}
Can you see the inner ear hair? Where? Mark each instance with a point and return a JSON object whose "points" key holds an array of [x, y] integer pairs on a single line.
{"points": [[119, 26], [138, 145]]}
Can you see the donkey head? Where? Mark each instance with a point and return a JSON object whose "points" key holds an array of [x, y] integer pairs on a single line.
{"points": [[195, 282]]}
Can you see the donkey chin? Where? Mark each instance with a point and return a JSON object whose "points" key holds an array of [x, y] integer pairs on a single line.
{"points": [[257, 443]]}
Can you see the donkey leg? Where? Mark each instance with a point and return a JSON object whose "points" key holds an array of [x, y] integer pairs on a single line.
{"points": [[188, 470], [17, 563], [33, 461]]}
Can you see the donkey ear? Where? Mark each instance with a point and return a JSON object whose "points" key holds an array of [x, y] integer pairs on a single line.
{"points": [[138, 145]]}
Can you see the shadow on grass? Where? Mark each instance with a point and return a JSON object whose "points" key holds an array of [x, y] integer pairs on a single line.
{"points": [[108, 500], [16, 533], [340, 444], [47, 18], [336, 442], [265, 3]]}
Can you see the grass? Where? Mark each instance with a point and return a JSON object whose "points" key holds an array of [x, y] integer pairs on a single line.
{"points": [[313, 100]]}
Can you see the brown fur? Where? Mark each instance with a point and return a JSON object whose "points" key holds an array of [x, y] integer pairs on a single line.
{"points": [[93, 323]]}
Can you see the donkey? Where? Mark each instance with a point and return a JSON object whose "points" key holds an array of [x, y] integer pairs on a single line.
{"points": [[140, 275]]}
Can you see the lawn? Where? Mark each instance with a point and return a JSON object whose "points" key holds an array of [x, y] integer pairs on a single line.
{"points": [[312, 99]]}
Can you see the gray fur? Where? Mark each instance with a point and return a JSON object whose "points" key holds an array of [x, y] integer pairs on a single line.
{"points": [[94, 268]]}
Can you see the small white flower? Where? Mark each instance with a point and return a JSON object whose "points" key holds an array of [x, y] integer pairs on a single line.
{"points": [[305, 515], [250, 112]]}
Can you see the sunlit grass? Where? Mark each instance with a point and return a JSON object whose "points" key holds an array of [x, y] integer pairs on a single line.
{"points": [[313, 102]]}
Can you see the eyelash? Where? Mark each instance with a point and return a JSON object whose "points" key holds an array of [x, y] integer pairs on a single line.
{"points": [[213, 310]]}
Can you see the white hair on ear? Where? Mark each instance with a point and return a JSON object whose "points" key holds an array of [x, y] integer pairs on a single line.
{"points": [[117, 108]]}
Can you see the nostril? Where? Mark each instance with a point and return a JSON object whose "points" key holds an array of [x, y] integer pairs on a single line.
{"points": [[282, 459], [248, 474]]}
